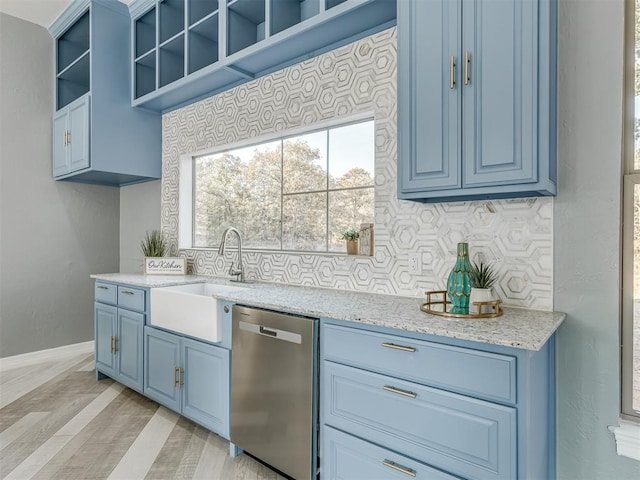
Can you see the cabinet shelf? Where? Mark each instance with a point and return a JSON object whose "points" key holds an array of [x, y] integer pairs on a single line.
{"points": [[246, 24], [146, 73], [73, 43], [334, 3], [171, 19], [288, 13], [203, 43], [201, 9], [146, 32], [74, 81], [171, 60]]}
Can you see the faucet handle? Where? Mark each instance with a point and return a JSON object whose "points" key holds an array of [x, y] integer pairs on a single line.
{"points": [[231, 270]]}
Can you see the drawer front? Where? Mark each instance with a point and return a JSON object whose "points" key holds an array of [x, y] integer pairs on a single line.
{"points": [[462, 435], [131, 298], [482, 374], [106, 293], [347, 457]]}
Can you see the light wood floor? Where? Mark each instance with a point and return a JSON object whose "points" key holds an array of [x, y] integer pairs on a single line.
{"points": [[58, 422]]}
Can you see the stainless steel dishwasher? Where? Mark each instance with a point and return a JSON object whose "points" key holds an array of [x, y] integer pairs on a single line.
{"points": [[274, 389]]}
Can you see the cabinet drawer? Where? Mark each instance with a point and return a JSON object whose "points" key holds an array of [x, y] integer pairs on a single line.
{"points": [[106, 293], [131, 298], [349, 457], [483, 374], [462, 435]]}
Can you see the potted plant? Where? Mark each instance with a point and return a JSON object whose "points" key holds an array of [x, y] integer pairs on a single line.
{"points": [[153, 244], [481, 277], [351, 236]]}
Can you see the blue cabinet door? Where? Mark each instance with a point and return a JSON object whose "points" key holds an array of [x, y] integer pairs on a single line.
{"points": [[205, 394], [129, 349], [60, 127], [78, 137], [162, 374], [500, 94], [105, 334], [429, 95]]}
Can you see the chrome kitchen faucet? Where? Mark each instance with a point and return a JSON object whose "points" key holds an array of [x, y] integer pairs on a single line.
{"points": [[239, 272]]}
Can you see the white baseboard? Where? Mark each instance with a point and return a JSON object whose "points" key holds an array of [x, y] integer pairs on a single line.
{"points": [[51, 354]]}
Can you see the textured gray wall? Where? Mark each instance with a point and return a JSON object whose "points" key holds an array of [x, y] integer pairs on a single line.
{"points": [[53, 235], [587, 239], [139, 212]]}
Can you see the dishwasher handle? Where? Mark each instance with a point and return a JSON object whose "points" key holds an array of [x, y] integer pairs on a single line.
{"points": [[276, 333]]}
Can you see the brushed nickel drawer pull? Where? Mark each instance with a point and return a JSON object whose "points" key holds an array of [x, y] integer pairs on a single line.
{"points": [[102, 287], [467, 61], [398, 347], [399, 391], [452, 69], [400, 468], [112, 338], [181, 377], [127, 292], [176, 377]]}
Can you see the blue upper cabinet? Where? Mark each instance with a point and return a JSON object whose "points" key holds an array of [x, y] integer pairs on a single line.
{"points": [[476, 99], [97, 136], [184, 50]]}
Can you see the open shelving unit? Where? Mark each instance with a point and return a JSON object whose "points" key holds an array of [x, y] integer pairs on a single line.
{"points": [[186, 49], [73, 62]]}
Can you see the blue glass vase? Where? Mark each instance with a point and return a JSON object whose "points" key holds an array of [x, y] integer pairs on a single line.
{"points": [[458, 285]]}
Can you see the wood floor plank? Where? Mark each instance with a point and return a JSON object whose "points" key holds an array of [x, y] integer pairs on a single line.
{"points": [[19, 428], [30, 466], [141, 455], [13, 390], [90, 366]]}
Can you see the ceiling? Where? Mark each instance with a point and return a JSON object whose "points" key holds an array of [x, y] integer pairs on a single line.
{"points": [[41, 12]]}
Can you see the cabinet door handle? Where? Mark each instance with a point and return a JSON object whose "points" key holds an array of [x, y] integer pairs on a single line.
{"points": [[127, 292], [399, 468], [181, 377], [398, 347], [399, 391], [115, 344], [112, 344], [452, 72], [64, 138], [467, 61], [68, 137], [102, 287], [176, 377]]}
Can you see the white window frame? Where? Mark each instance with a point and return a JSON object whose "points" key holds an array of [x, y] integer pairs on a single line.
{"points": [[187, 167], [627, 433]]}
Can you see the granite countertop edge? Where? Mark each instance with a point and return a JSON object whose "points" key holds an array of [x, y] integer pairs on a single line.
{"points": [[517, 328]]}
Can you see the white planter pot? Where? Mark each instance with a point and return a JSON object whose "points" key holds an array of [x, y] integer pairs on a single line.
{"points": [[480, 295]]}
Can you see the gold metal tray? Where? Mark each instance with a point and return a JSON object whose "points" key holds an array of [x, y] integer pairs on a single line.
{"points": [[435, 306]]}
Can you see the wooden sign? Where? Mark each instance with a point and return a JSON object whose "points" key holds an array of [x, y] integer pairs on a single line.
{"points": [[165, 266]]}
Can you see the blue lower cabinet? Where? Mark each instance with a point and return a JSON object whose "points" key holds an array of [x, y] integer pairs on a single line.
{"points": [[162, 367], [205, 393], [105, 333], [348, 457], [189, 377], [128, 347], [118, 348], [459, 434]]}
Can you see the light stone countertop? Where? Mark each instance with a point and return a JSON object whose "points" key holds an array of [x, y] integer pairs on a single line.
{"points": [[519, 328]]}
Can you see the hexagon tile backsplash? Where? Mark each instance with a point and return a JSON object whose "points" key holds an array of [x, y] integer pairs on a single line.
{"points": [[516, 235]]}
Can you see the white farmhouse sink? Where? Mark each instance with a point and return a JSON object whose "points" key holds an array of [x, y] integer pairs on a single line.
{"points": [[190, 309]]}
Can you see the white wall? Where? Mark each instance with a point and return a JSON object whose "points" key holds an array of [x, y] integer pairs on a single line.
{"points": [[587, 239], [53, 235], [139, 212]]}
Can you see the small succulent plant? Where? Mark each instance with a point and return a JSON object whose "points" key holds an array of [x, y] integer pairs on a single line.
{"points": [[153, 244], [482, 275], [351, 235]]}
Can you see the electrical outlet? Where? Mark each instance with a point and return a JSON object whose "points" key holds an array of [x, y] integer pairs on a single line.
{"points": [[415, 263]]}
